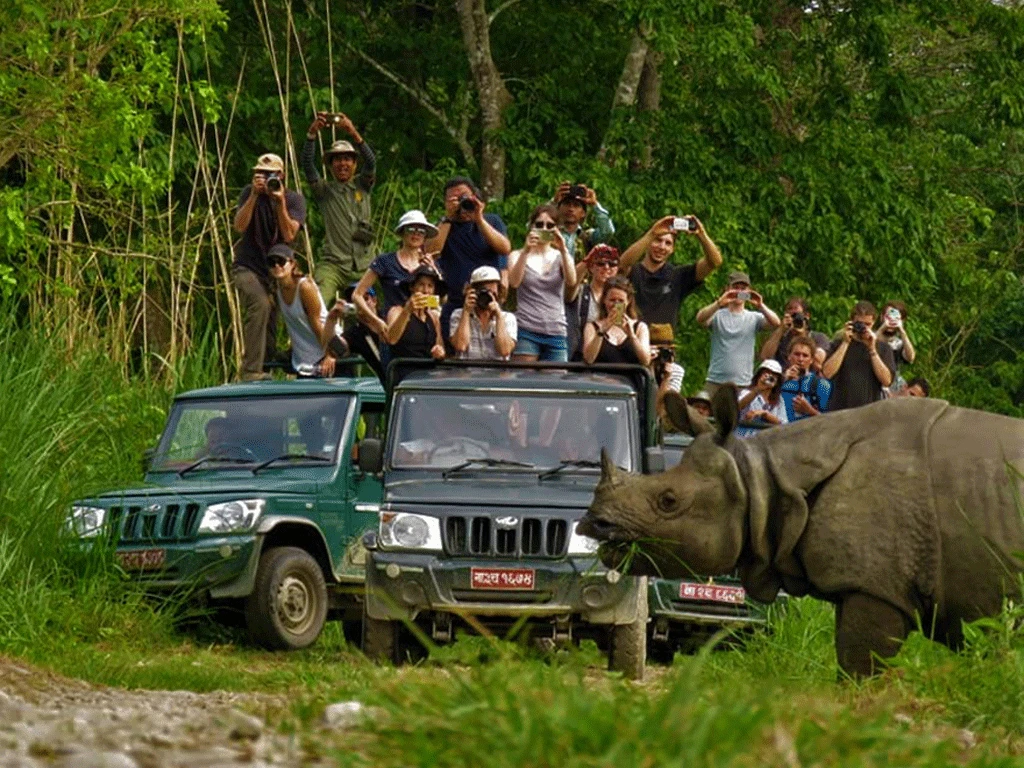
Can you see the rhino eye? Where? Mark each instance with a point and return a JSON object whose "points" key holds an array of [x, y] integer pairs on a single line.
{"points": [[667, 501]]}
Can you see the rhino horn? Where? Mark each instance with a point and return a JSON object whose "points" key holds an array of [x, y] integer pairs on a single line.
{"points": [[609, 472]]}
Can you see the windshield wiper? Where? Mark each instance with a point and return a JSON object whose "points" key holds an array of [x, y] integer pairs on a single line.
{"points": [[487, 462], [290, 457], [211, 459], [570, 463]]}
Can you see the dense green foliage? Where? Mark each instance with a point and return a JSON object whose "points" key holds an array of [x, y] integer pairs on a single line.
{"points": [[860, 150]]}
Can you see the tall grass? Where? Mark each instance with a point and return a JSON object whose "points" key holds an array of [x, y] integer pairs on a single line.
{"points": [[71, 424]]}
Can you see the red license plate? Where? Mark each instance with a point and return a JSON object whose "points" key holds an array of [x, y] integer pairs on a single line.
{"points": [[142, 559], [501, 578], [713, 593]]}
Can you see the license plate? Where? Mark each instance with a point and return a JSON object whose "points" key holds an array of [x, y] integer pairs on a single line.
{"points": [[142, 559], [713, 593], [501, 578]]}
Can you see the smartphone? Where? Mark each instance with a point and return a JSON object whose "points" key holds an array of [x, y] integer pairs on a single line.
{"points": [[545, 235], [743, 295], [433, 301], [618, 313], [684, 224]]}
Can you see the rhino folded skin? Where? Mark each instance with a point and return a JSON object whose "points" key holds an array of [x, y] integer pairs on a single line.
{"points": [[909, 501]]}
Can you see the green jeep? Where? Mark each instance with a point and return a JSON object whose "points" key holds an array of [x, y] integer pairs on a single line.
{"points": [[487, 469], [254, 493]]}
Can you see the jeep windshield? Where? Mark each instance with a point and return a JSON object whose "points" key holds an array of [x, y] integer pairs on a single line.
{"points": [[233, 433], [510, 432]]}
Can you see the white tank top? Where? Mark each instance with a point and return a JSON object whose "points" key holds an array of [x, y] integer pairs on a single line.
{"points": [[307, 350]]}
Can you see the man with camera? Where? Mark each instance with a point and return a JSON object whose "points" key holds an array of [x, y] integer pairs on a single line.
{"points": [[467, 238], [804, 392], [796, 324], [859, 364], [668, 374], [572, 201], [660, 286], [480, 329], [733, 332], [344, 201], [268, 213]]}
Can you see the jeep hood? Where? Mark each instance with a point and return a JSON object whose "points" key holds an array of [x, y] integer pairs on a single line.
{"points": [[263, 484], [521, 491]]}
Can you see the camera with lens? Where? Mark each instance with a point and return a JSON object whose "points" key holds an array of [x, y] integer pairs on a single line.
{"points": [[483, 298], [578, 191], [273, 181], [660, 363], [467, 203], [859, 326], [799, 320]]}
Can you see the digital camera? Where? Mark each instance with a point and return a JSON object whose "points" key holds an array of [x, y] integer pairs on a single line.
{"points": [[273, 181], [684, 224], [467, 203], [483, 298], [578, 191], [859, 326], [799, 321]]}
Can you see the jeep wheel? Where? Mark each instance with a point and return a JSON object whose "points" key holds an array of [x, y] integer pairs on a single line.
{"points": [[380, 639], [628, 651], [288, 605]]}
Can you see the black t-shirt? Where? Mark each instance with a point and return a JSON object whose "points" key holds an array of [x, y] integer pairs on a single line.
{"points": [[464, 250], [262, 234], [855, 383], [659, 294]]}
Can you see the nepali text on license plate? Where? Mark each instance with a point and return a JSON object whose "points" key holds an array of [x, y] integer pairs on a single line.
{"points": [[142, 559], [713, 592], [501, 578]]}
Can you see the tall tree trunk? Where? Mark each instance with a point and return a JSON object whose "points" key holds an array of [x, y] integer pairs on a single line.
{"points": [[649, 100], [494, 96], [629, 81]]}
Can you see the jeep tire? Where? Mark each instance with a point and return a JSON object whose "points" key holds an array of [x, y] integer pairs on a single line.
{"points": [[380, 639], [288, 604], [628, 642]]}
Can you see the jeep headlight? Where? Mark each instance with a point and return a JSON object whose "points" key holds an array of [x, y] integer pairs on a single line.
{"points": [[400, 529], [85, 521], [232, 516], [580, 544]]}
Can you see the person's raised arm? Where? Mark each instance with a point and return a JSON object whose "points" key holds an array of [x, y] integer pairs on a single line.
{"points": [[771, 344], [760, 306], [307, 158], [834, 361], [636, 251], [517, 269], [286, 225], [704, 314], [712, 259], [592, 340], [568, 265], [639, 337], [878, 366], [436, 243], [398, 321], [311, 303], [460, 334], [497, 241], [376, 324], [243, 215]]}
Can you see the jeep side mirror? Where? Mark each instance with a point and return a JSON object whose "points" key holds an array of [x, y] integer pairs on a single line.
{"points": [[654, 457], [371, 455]]}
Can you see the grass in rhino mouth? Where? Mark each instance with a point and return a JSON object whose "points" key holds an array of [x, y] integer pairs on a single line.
{"points": [[646, 557]]}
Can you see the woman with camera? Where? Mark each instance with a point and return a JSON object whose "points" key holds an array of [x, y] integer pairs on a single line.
{"points": [[763, 400], [583, 303], [311, 328], [393, 269], [891, 331], [617, 336], [414, 329], [541, 272]]}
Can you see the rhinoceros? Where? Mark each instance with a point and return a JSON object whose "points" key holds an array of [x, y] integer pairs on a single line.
{"points": [[905, 513]]}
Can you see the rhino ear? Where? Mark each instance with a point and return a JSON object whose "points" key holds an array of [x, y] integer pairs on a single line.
{"points": [[683, 417], [725, 406]]}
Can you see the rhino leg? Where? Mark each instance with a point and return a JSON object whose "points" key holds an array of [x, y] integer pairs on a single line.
{"points": [[867, 629]]}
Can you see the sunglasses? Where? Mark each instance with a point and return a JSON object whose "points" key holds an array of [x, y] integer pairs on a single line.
{"points": [[607, 264], [417, 230], [277, 261], [544, 225], [769, 378]]}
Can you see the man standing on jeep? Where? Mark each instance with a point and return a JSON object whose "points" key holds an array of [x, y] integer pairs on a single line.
{"points": [[344, 201], [572, 201]]}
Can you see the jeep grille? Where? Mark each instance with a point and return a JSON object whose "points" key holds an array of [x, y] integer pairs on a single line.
{"points": [[528, 537], [153, 522]]}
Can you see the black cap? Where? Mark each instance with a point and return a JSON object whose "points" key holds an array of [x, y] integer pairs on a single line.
{"points": [[425, 270], [281, 249]]}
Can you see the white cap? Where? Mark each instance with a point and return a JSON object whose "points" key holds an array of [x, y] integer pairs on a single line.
{"points": [[415, 217], [484, 275], [269, 162], [771, 365]]}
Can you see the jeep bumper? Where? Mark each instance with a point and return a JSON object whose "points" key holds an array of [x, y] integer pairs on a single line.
{"points": [[401, 585], [225, 566]]}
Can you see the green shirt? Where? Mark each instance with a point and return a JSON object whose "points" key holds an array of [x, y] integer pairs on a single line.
{"points": [[345, 208]]}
